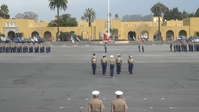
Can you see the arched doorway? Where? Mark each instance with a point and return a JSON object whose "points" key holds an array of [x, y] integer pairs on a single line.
{"points": [[197, 33], [48, 36], [84, 35], [182, 33], [145, 35], [35, 33], [132, 36], [169, 35], [11, 35]]}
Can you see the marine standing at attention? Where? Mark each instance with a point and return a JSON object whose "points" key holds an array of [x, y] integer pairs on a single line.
{"points": [[112, 65], [94, 63], [118, 105], [104, 62], [95, 105], [118, 63], [105, 47], [130, 64]]}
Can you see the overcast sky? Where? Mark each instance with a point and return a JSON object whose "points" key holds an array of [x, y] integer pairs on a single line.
{"points": [[77, 7]]}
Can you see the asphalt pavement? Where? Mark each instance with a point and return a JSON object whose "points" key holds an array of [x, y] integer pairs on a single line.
{"points": [[62, 80]]}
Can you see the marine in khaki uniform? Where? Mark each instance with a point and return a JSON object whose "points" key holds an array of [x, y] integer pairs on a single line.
{"points": [[191, 46], [105, 47], [7, 48], [41, 48], [94, 63], [179, 47], [30, 47], [1, 48], [112, 65], [18, 48], [36, 47], [104, 62], [171, 44], [130, 64], [196, 46], [184, 46], [25, 48], [140, 43], [12, 48], [95, 105], [118, 61], [15, 48], [119, 105], [174, 47], [48, 48]]}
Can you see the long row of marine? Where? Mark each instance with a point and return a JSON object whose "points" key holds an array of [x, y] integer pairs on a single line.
{"points": [[24, 48], [185, 46]]}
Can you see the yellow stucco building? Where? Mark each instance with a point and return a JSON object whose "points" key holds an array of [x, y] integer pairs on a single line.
{"points": [[120, 30]]}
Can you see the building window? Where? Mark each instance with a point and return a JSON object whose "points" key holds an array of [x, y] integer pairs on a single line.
{"points": [[10, 24], [15, 25], [142, 25], [134, 25], [7, 24]]}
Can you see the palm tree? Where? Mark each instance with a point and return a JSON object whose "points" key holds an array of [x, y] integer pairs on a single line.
{"points": [[197, 13], [110, 14], [158, 9], [116, 16], [89, 16], [59, 4], [4, 10]]}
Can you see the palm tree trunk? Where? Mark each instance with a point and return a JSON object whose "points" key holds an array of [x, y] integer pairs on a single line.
{"points": [[159, 35], [89, 21], [57, 23]]}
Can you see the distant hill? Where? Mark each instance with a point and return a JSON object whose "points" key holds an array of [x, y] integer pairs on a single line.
{"points": [[130, 18]]}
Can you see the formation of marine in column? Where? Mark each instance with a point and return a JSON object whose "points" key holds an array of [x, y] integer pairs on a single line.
{"points": [[24, 48], [184, 46]]}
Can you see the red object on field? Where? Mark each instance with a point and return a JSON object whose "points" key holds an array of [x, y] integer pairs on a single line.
{"points": [[106, 37]]}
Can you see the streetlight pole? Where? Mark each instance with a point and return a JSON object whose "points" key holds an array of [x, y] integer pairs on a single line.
{"points": [[108, 18]]}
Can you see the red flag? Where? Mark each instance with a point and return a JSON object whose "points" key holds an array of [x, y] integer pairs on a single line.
{"points": [[106, 37]]}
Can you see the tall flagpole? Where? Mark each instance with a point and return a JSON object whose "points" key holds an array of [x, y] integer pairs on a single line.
{"points": [[108, 18]]}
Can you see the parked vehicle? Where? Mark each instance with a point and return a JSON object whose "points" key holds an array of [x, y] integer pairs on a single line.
{"points": [[193, 39], [16, 40], [182, 39], [5, 40], [37, 39], [40, 40], [25, 40]]}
